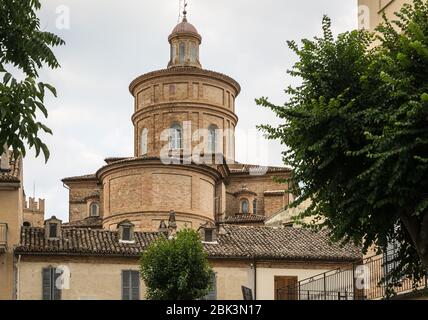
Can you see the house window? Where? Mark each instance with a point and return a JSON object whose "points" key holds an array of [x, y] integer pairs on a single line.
{"points": [[212, 295], [212, 139], [255, 206], [130, 285], [94, 209], [144, 134], [53, 230], [49, 283], [244, 206], [126, 234], [182, 52], [208, 235], [126, 231], [27, 224], [176, 137]]}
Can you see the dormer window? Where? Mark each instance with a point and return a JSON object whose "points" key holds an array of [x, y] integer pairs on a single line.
{"points": [[126, 232], [208, 232], [208, 235], [53, 228]]}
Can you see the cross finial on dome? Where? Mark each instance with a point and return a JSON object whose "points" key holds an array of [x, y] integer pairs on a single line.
{"points": [[185, 11]]}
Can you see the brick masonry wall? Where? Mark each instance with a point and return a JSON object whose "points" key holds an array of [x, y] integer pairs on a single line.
{"points": [[258, 184]]}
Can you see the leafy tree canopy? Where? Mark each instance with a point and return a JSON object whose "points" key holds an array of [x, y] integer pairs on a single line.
{"points": [[177, 268], [25, 47], [356, 132]]}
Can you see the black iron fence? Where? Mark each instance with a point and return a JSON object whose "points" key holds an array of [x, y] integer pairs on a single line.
{"points": [[358, 281]]}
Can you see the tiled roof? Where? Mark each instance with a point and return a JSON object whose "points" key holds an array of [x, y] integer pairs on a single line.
{"points": [[240, 168], [281, 243], [90, 222], [82, 241], [12, 175], [274, 192], [244, 218], [80, 178], [114, 159], [232, 242]]}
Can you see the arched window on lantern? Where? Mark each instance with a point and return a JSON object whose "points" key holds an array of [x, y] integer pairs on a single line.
{"points": [[255, 206], [176, 137], [212, 139], [182, 52], [193, 53], [144, 134], [244, 206]]}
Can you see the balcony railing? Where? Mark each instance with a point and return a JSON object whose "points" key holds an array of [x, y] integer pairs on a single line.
{"points": [[358, 281], [3, 237]]}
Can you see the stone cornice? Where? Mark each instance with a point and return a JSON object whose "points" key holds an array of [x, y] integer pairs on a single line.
{"points": [[184, 71], [154, 162]]}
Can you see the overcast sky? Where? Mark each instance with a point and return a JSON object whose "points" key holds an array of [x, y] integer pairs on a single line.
{"points": [[111, 42]]}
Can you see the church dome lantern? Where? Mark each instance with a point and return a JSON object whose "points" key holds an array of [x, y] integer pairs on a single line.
{"points": [[184, 41]]}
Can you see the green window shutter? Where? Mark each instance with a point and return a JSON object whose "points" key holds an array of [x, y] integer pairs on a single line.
{"points": [[212, 295], [135, 282], [46, 283], [126, 285]]}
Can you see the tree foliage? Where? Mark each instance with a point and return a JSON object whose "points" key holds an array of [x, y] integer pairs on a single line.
{"points": [[177, 268], [25, 47], [356, 132]]}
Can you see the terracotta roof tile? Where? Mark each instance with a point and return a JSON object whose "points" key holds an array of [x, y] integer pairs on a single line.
{"points": [[12, 175], [90, 222], [80, 178], [281, 243], [241, 168], [232, 242], [244, 218]]}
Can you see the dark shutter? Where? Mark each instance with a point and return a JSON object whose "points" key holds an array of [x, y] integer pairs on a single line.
{"points": [[126, 285], [135, 282], [130, 285], [212, 295], [126, 234], [56, 291], [46, 283], [53, 230], [49, 284], [208, 235]]}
